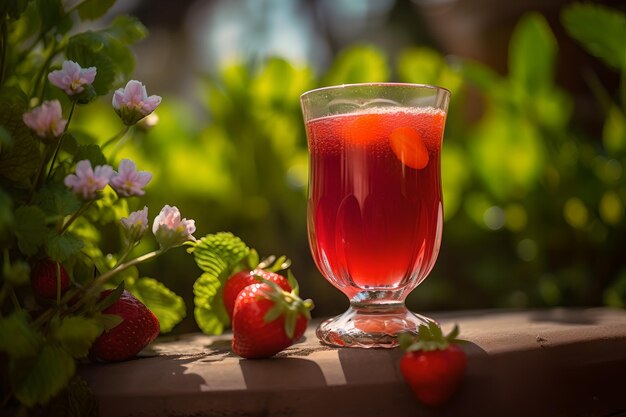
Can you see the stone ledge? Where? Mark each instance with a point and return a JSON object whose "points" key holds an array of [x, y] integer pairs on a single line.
{"points": [[559, 362]]}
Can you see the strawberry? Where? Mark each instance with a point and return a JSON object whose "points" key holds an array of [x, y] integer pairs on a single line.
{"points": [[138, 328], [43, 279], [267, 320], [408, 147], [433, 364], [242, 279]]}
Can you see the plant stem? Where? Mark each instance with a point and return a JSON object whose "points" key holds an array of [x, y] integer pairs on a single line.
{"points": [[58, 147], [16, 302], [44, 69], [40, 170], [76, 215], [116, 137]]}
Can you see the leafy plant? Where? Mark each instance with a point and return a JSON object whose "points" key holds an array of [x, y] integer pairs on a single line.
{"points": [[60, 196]]}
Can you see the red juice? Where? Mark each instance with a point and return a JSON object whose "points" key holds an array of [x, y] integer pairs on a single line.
{"points": [[375, 204]]}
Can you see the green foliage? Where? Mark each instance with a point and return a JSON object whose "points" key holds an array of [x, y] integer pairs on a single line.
{"points": [[37, 379], [20, 160], [600, 29], [76, 334], [217, 255], [93, 9], [166, 305], [17, 338], [30, 228], [358, 64]]}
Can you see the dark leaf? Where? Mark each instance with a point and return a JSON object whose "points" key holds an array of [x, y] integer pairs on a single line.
{"points": [[30, 228], [61, 247], [93, 9]]}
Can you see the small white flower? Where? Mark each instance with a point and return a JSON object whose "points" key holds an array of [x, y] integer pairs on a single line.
{"points": [[136, 224], [87, 181], [132, 103], [129, 182], [170, 230], [72, 78], [46, 120]]}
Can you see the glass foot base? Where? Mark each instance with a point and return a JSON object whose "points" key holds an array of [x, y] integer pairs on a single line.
{"points": [[369, 327]]}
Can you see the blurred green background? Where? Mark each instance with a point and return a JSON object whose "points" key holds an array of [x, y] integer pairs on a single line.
{"points": [[534, 148]]}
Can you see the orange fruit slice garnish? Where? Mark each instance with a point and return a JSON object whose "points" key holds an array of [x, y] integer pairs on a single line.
{"points": [[364, 129], [409, 148]]}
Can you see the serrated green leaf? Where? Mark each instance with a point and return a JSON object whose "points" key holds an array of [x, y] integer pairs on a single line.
{"points": [[166, 305], [36, 380], [217, 255], [30, 228], [93, 9], [209, 311], [56, 198], [91, 152], [18, 339], [61, 247], [76, 334], [21, 161], [600, 29], [359, 64], [532, 53]]}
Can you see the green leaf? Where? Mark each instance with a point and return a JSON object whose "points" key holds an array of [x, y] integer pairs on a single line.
{"points": [[69, 144], [426, 66], [532, 54], [18, 339], [89, 50], [56, 198], [30, 228], [76, 334], [600, 29], [61, 247], [21, 161], [17, 273], [166, 305], [93, 9], [127, 29], [36, 380], [91, 152], [359, 64], [217, 254]]}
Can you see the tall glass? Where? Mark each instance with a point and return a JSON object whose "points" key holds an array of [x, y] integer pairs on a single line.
{"points": [[375, 211]]}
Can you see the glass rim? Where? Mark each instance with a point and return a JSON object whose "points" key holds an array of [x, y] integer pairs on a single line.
{"points": [[374, 84]]}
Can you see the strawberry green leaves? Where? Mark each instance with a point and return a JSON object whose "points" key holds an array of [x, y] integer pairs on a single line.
{"points": [[166, 305], [217, 255]]}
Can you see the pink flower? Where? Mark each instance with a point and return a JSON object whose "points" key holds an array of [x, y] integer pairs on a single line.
{"points": [[72, 78], [129, 182], [46, 120], [136, 224], [87, 181], [132, 103], [170, 230]]}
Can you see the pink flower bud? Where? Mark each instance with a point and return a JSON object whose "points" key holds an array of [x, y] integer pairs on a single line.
{"points": [[136, 224], [170, 230], [132, 103]]}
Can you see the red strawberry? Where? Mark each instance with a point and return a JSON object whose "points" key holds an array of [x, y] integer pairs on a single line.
{"points": [[267, 320], [433, 364], [43, 279], [124, 341], [242, 279]]}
